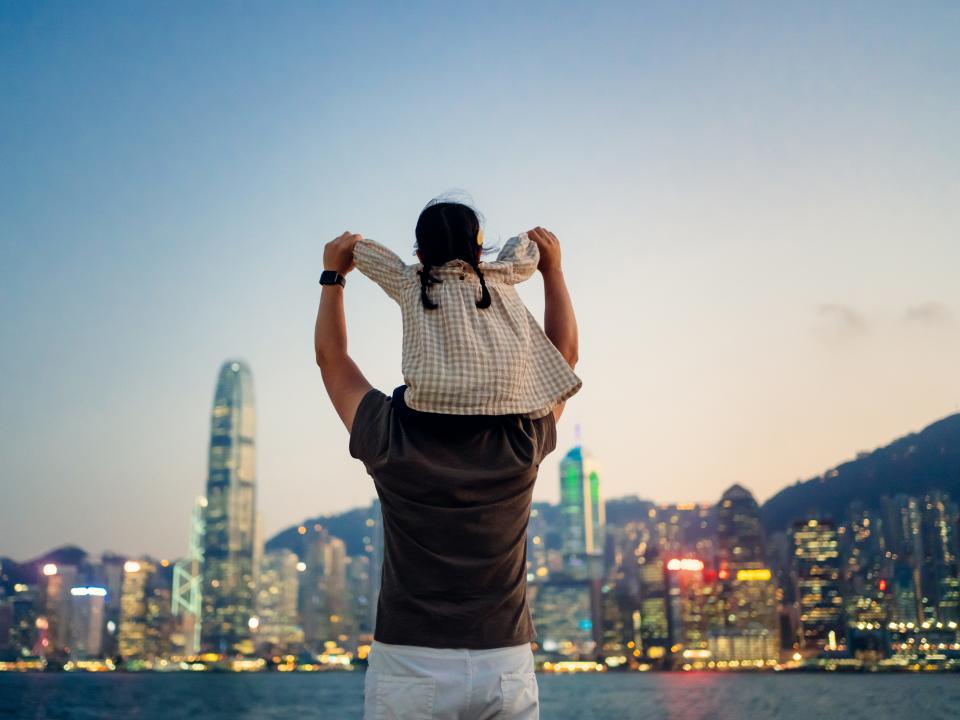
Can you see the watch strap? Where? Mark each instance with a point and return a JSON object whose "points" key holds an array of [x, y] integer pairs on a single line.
{"points": [[332, 277]]}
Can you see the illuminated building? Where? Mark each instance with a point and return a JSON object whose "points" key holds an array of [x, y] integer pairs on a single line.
{"points": [[373, 545], [581, 507], [562, 610], [901, 530], [110, 576], [323, 589], [18, 622], [653, 636], [277, 593], [87, 605], [747, 628], [132, 636], [55, 583], [538, 568], [692, 608], [583, 520], [938, 522], [358, 590], [740, 541], [817, 572], [744, 617], [228, 555], [148, 629], [187, 602]]}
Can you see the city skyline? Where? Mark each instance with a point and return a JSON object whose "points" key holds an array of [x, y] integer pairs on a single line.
{"points": [[676, 587], [757, 207]]}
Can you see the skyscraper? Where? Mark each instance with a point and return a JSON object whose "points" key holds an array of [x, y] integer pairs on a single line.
{"points": [[323, 589], [277, 595], [229, 580], [581, 507], [817, 571], [739, 532]]}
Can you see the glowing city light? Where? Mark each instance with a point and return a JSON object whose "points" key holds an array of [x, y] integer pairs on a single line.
{"points": [[91, 591], [689, 564], [131, 566], [253, 623], [49, 569], [301, 566], [753, 574]]}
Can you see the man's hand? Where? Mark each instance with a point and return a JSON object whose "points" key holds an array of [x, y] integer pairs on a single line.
{"points": [[338, 253], [549, 248]]}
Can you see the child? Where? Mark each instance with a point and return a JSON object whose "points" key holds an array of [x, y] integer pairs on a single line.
{"points": [[470, 346]]}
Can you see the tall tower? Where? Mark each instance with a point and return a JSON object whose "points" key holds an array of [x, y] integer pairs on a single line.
{"points": [[581, 507], [583, 518], [230, 519]]}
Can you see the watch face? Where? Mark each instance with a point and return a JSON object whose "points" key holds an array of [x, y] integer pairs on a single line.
{"points": [[329, 277]]}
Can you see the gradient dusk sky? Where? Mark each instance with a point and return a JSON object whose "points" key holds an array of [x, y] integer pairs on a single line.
{"points": [[758, 203]]}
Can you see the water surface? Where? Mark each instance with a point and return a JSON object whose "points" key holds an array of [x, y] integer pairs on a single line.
{"points": [[662, 696]]}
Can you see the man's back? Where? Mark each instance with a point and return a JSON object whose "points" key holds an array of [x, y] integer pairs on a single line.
{"points": [[455, 492]]}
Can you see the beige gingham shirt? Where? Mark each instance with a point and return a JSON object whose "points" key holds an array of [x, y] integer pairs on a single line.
{"points": [[463, 360]]}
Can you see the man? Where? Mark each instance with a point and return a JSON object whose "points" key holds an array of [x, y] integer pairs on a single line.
{"points": [[453, 631]]}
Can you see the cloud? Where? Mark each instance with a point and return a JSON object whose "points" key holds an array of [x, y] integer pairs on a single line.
{"points": [[841, 322], [928, 314]]}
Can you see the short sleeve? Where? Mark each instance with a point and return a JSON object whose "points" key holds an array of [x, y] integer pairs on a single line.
{"points": [[521, 255], [547, 432], [369, 433], [381, 265]]}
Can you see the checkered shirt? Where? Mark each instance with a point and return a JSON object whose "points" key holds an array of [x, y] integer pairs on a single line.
{"points": [[463, 360]]}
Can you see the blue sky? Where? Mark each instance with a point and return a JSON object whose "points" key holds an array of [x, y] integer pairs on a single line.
{"points": [[758, 204]]}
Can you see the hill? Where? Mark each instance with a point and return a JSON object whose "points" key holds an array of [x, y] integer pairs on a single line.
{"points": [[912, 465]]}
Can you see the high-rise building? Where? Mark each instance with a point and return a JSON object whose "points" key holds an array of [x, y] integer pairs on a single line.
{"points": [[229, 581], [747, 630], [147, 626], [188, 582], [740, 542], [55, 583], [583, 532], [132, 638], [653, 636], [692, 608], [278, 627], [87, 604], [938, 522], [374, 547], [581, 506], [323, 590], [816, 561], [358, 588]]}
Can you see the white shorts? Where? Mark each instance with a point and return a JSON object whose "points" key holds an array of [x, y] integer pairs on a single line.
{"points": [[405, 682]]}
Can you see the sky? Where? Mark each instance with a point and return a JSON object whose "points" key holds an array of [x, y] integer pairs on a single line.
{"points": [[758, 205]]}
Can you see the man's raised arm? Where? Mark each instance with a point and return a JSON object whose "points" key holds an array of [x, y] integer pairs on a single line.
{"points": [[343, 380], [559, 321]]}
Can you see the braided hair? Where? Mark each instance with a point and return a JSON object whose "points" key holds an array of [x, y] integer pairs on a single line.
{"points": [[448, 231]]}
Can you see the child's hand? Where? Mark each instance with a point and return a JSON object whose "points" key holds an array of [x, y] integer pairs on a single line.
{"points": [[338, 253], [549, 248]]}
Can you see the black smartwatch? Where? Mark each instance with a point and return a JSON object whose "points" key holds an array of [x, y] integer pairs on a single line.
{"points": [[332, 277]]}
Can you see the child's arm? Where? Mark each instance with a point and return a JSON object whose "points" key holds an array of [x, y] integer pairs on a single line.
{"points": [[559, 321], [381, 265], [343, 380]]}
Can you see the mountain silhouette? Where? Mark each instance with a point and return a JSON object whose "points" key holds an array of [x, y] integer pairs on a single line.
{"points": [[912, 465]]}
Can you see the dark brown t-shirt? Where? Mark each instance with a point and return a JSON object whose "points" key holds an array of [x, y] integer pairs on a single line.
{"points": [[455, 492]]}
